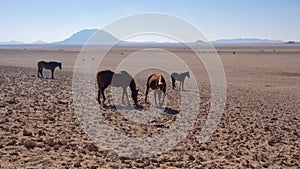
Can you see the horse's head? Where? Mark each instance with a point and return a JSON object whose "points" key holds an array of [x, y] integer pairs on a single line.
{"points": [[163, 87], [188, 74], [59, 65], [162, 84], [134, 95]]}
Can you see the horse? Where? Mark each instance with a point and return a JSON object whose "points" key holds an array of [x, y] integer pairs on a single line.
{"points": [[47, 65], [122, 79], [156, 81], [180, 77]]}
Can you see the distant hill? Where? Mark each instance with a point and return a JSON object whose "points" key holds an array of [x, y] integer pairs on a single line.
{"points": [[39, 42], [82, 37], [11, 42], [200, 42], [292, 43], [103, 37], [247, 41]]}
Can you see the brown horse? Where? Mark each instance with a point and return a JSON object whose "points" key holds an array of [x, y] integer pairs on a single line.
{"points": [[123, 79], [156, 81], [180, 77], [47, 65]]}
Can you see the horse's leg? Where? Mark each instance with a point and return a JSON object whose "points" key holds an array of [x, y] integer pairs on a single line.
{"points": [[173, 82], [99, 93], [159, 98], [180, 85], [52, 71], [163, 100], [147, 90], [41, 71], [155, 97], [126, 95], [102, 92]]}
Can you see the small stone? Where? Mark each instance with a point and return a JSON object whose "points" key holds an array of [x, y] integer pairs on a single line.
{"points": [[27, 133], [62, 102], [159, 125], [49, 141], [51, 118], [77, 164], [202, 148], [13, 142], [41, 132], [56, 147], [272, 141], [14, 153], [91, 147], [29, 144], [228, 156], [192, 158], [12, 102]]}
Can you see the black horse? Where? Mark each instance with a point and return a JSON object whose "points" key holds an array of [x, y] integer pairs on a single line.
{"points": [[123, 79], [47, 65], [180, 77]]}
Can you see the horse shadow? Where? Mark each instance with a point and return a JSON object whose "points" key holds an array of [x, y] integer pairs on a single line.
{"points": [[171, 111], [138, 107], [48, 78], [122, 107]]}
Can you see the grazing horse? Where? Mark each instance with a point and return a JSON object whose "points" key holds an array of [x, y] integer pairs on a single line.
{"points": [[47, 65], [156, 81], [123, 79], [180, 77]]}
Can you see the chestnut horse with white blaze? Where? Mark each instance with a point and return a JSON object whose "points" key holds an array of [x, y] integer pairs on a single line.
{"points": [[156, 81]]}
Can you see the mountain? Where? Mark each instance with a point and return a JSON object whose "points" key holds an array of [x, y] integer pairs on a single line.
{"points": [[292, 43], [103, 37], [200, 42], [82, 37], [247, 41], [39, 42], [11, 42]]}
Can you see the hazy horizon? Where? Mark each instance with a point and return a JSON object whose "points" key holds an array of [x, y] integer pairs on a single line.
{"points": [[52, 21]]}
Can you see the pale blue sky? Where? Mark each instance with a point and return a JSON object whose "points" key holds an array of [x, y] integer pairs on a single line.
{"points": [[55, 20]]}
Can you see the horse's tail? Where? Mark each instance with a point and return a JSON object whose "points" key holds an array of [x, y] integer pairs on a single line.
{"points": [[173, 82], [39, 65], [98, 79]]}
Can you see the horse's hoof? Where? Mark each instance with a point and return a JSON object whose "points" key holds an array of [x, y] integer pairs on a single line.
{"points": [[139, 107]]}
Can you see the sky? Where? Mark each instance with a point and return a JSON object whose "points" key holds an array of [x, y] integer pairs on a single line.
{"points": [[56, 20]]}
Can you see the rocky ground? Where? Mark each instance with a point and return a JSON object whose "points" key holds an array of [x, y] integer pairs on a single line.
{"points": [[260, 127]]}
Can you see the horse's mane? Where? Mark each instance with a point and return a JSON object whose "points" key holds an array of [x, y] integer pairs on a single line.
{"points": [[54, 62], [107, 71]]}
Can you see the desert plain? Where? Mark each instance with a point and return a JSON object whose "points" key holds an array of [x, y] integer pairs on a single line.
{"points": [[259, 128]]}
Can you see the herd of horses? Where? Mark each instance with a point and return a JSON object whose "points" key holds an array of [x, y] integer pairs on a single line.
{"points": [[123, 79]]}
